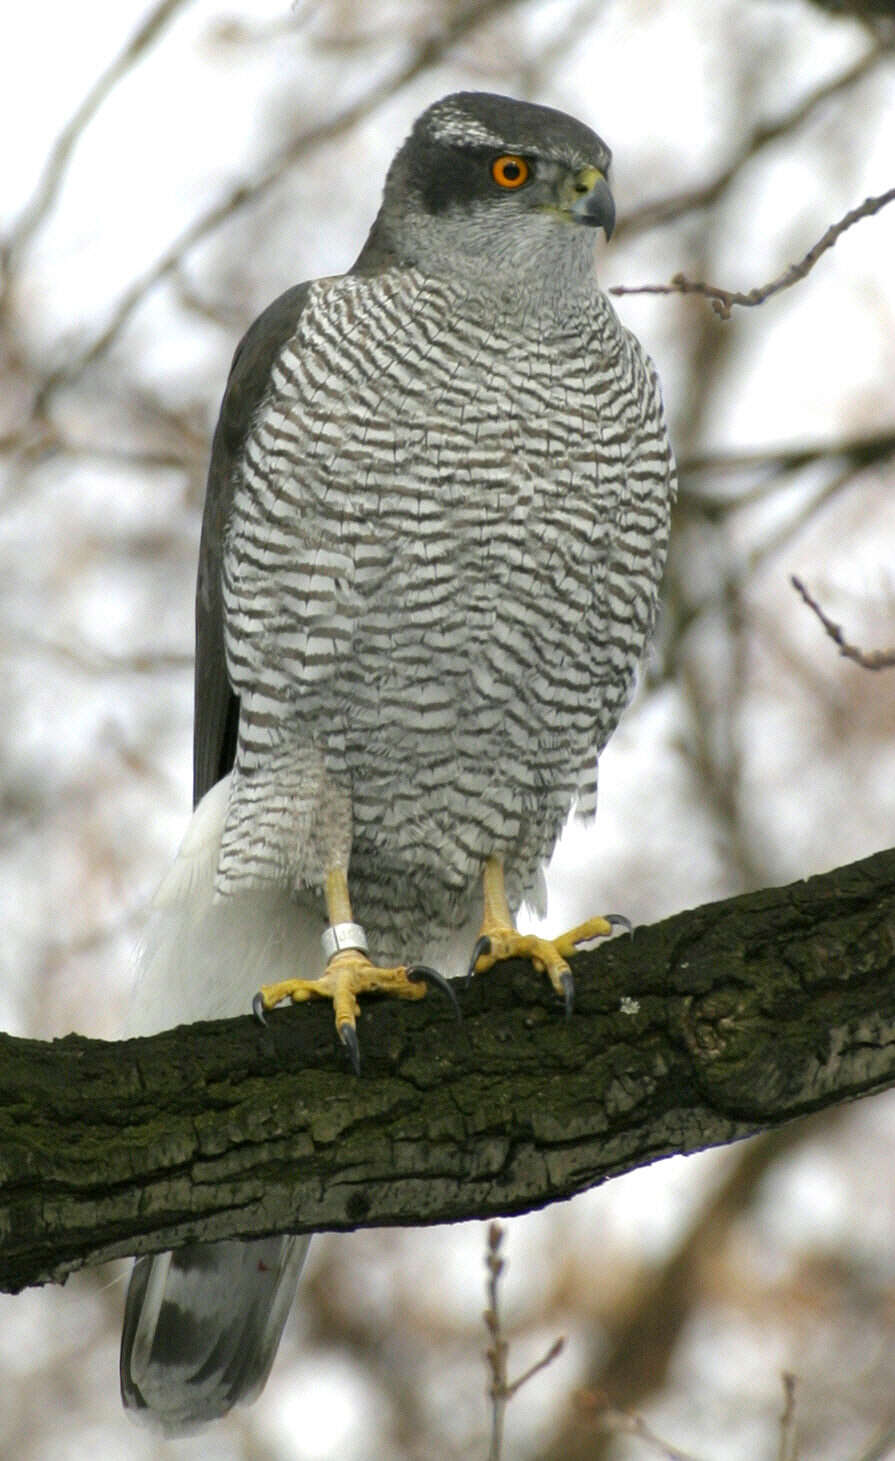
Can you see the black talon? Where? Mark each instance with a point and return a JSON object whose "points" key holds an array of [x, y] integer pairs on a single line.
{"points": [[568, 992], [618, 920], [348, 1037], [483, 946], [258, 1008], [421, 973]]}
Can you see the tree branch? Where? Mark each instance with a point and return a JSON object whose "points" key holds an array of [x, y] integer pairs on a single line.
{"points": [[249, 192], [763, 134], [723, 300], [704, 1028], [868, 659], [861, 451], [54, 170]]}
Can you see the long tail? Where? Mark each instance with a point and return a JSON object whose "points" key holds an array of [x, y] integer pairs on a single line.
{"points": [[202, 1325]]}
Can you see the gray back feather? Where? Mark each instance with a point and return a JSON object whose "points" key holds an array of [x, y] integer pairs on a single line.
{"points": [[216, 707]]}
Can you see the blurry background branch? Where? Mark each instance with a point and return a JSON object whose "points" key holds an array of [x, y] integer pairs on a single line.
{"points": [[52, 177], [458, 24], [868, 659], [724, 300], [501, 1388], [642, 1340], [703, 1029], [764, 134]]}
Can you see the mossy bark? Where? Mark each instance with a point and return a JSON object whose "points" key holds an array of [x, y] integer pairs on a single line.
{"points": [[702, 1029]]}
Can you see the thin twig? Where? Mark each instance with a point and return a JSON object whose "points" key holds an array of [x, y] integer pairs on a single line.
{"points": [[763, 134], [776, 469], [619, 1422], [782, 534], [723, 300], [788, 1438], [427, 54], [501, 1390], [53, 174], [868, 659], [496, 1353], [555, 1349]]}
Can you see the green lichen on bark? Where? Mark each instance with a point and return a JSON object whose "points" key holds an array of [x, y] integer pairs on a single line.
{"points": [[714, 1024]]}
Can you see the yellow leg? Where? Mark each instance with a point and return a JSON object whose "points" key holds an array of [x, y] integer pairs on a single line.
{"points": [[338, 903], [499, 938], [349, 972]]}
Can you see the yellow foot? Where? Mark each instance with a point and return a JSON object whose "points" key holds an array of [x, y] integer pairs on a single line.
{"points": [[501, 941], [347, 975]]}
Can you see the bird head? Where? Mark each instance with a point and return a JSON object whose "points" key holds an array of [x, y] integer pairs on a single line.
{"points": [[488, 185]]}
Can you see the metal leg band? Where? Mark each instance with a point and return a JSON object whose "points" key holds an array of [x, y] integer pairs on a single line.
{"points": [[340, 936]]}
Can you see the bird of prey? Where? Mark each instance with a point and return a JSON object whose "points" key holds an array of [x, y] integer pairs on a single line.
{"points": [[435, 525]]}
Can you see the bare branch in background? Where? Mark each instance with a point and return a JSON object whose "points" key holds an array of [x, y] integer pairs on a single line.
{"points": [[620, 1423], [677, 205], [779, 533], [723, 300], [868, 659], [53, 175], [498, 1349], [862, 450], [633, 1349], [722, 595], [426, 55], [789, 1441], [501, 1390]]}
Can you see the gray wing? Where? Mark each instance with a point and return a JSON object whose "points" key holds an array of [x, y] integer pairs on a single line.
{"points": [[202, 1324], [216, 719]]}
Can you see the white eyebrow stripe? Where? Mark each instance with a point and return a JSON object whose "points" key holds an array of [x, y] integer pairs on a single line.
{"points": [[455, 126]]}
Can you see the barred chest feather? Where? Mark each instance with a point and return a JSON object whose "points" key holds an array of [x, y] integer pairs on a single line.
{"points": [[441, 569]]}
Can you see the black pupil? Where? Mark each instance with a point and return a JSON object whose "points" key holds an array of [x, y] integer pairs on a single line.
{"points": [[511, 171]]}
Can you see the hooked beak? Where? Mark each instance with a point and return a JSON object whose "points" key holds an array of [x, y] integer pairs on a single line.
{"points": [[593, 203]]}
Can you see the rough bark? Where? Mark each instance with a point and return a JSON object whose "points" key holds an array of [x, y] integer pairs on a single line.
{"points": [[707, 1027]]}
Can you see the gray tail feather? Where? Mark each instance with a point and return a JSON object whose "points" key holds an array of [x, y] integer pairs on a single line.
{"points": [[202, 1326]]}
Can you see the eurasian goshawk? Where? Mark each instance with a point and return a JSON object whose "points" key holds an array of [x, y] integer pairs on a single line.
{"points": [[436, 521]]}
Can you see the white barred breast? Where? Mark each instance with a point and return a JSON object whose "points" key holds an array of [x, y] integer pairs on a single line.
{"points": [[441, 569]]}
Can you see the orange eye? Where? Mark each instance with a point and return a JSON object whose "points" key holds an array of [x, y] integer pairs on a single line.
{"points": [[509, 171]]}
